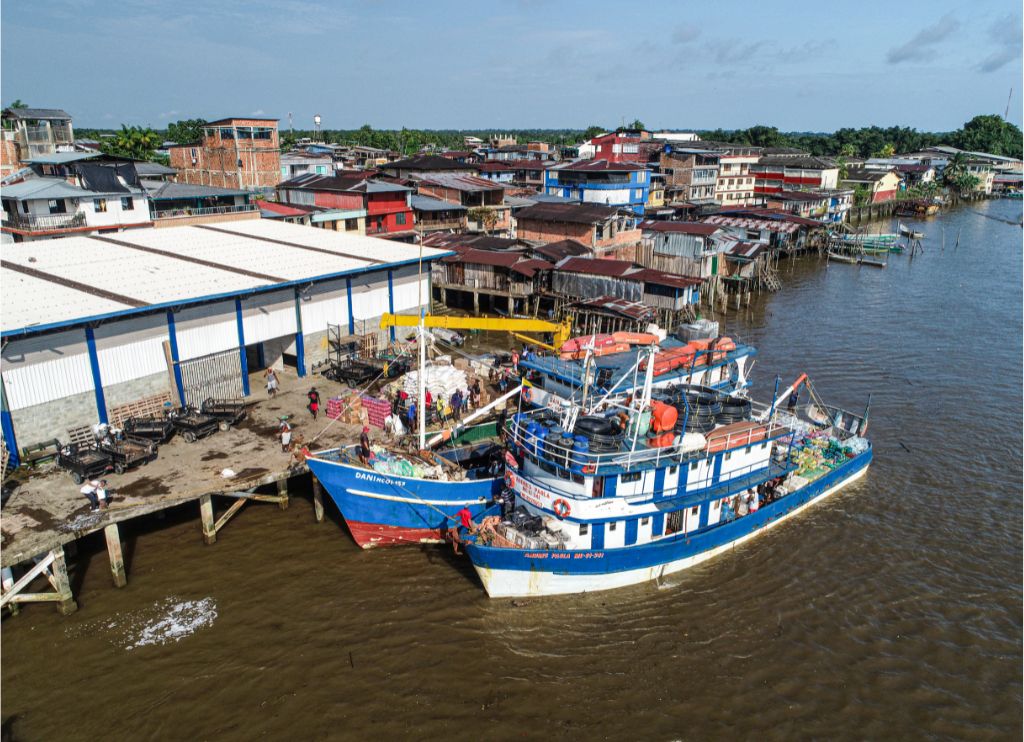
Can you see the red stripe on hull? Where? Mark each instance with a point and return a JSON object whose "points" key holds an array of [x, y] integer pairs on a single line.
{"points": [[371, 535]]}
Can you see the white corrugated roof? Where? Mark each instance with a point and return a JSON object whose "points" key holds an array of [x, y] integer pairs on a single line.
{"points": [[28, 300], [166, 270]]}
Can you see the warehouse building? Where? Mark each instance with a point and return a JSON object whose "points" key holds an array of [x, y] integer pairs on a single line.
{"points": [[94, 325]]}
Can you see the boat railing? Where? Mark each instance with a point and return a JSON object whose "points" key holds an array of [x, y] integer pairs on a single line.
{"points": [[587, 462]]}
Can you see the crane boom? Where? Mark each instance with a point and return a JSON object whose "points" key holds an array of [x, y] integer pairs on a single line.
{"points": [[561, 330]]}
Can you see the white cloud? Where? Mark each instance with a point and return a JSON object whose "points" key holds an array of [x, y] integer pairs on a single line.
{"points": [[922, 45]]}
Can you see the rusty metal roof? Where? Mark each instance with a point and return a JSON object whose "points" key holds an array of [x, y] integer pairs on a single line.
{"points": [[698, 228], [630, 309]]}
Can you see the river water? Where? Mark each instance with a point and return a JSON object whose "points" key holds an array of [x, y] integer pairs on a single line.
{"points": [[891, 610]]}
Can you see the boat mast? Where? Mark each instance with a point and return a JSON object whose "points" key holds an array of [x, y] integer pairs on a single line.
{"points": [[422, 391]]}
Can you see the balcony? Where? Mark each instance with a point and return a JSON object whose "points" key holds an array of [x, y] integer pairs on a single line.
{"points": [[429, 225], [43, 222], [204, 215]]}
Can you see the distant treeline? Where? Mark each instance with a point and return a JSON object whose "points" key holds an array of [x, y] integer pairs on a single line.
{"points": [[987, 133]]}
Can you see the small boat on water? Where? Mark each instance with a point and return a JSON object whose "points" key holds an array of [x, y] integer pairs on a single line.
{"points": [[607, 506], [872, 262], [840, 258]]}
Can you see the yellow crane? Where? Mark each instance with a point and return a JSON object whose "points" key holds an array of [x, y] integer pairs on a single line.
{"points": [[560, 330]]}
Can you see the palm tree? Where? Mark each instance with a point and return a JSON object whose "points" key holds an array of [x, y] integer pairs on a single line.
{"points": [[133, 142]]}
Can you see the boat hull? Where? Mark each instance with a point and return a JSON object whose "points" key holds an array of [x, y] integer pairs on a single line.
{"points": [[509, 572], [389, 510]]}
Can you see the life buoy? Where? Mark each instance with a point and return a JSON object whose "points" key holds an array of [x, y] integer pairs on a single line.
{"points": [[527, 394], [588, 469], [561, 508]]}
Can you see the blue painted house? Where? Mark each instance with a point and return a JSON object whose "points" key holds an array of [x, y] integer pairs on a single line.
{"points": [[621, 184]]}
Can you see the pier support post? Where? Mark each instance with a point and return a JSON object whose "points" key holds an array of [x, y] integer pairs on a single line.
{"points": [[476, 303], [282, 492], [206, 513], [113, 537], [65, 601], [318, 500], [8, 581]]}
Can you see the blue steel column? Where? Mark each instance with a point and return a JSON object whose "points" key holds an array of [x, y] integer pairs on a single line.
{"points": [[172, 338], [351, 319], [97, 381], [300, 346], [243, 361], [391, 300], [7, 424]]}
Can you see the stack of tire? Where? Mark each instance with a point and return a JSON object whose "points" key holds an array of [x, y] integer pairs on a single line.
{"points": [[603, 434], [701, 408]]}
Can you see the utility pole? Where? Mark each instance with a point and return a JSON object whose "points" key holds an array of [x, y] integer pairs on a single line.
{"points": [[1006, 114]]}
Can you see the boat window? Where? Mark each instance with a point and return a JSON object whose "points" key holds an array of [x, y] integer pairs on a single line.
{"points": [[672, 469], [764, 445], [645, 521], [612, 526], [748, 449], [728, 455], [584, 528], [693, 466], [695, 510], [562, 473], [577, 478], [633, 476]]}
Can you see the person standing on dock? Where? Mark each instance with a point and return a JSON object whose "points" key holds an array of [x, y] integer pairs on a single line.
{"points": [[457, 404], [314, 402], [286, 435], [271, 377]]}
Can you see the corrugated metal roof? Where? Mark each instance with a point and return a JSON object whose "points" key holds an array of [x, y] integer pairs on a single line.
{"points": [[166, 190], [630, 309], [46, 188], [597, 166], [462, 182], [425, 203], [59, 158], [569, 212], [698, 228], [166, 271], [596, 266], [37, 113], [748, 223]]}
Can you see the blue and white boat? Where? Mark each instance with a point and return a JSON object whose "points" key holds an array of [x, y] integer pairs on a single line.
{"points": [[604, 507]]}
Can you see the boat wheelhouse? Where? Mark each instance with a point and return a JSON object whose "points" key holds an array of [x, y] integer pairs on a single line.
{"points": [[556, 380]]}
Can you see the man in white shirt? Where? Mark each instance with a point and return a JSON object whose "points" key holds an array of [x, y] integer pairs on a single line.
{"points": [[95, 492]]}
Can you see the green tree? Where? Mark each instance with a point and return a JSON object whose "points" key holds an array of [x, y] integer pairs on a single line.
{"points": [[133, 142], [593, 131], [990, 134], [888, 150], [186, 131], [637, 125], [18, 103], [765, 136], [861, 195], [486, 216]]}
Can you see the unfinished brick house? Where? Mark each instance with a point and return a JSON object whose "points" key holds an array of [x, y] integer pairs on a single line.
{"points": [[233, 153], [607, 230]]}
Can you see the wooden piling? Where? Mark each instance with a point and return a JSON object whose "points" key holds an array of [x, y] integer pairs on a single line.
{"points": [[8, 582], [282, 493], [62, 585], [206, 513], [318, 500], [113, 537]]}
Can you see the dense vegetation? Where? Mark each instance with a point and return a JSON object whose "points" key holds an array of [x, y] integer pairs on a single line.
{"points": [[987, 133]]}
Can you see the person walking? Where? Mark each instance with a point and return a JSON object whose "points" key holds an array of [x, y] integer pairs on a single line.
{"points": [[271, 376], [314, 402]]}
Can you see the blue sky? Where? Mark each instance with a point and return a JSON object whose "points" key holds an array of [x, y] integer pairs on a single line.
{"points": [[813, 66]]}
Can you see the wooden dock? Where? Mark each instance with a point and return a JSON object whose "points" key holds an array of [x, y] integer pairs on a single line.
{"points": [[45, 514]]}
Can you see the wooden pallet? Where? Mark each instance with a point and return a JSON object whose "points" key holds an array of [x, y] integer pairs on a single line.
{"points": [[81, 436], [145, 407]]}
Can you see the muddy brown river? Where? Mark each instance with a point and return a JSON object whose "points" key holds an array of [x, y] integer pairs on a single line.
{"points": [[890, 611]]}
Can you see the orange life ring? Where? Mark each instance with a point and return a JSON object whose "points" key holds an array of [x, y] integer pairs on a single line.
{"points": [[561, 508], [589, 469], [527, 394]]}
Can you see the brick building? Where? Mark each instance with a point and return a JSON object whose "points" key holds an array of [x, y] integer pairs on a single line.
{"points": [[607, 230], [233, 153]]}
